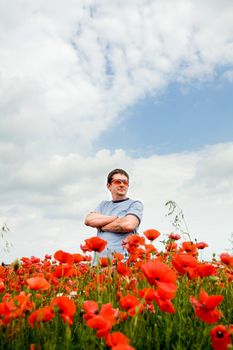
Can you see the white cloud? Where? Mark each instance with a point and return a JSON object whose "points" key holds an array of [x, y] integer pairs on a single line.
{"points": [[68, 71], [49, 205], [228, 75]]}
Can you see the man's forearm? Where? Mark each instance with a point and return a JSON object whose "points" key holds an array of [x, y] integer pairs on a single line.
{"points": [[98, 220], [119, 225]]}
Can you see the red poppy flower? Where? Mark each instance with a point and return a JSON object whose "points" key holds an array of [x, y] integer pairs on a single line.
{"points": [[123, 269], [151, 234], [2, 286], [201, 245], [185, 263], [131, 304], [116, 338], [36, 283], [91, 307], [14, 307], [104, 261], [66, 308], [220, 338], [62, 271], [174, 236], [104, 321], [109, 313], [102, 325], [48, 256], [96, 244], [164, 303], [106, 311], [78, 257], [128, 301], [118, 256], [226, 259], [5, 313], [85, 248], [149, 294], [205, 307], [206, 269], [189, 247], [132, 242], [171, 247], [64, 257], [161, 276], [41, 315], [123, 347], [150, 248]]}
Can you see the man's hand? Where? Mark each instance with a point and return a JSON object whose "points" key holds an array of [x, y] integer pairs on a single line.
{"points": [[98, 220], [127, 223]]}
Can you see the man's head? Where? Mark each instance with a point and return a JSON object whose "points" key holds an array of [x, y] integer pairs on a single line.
{"points": [[118, 183], [114, 172]]}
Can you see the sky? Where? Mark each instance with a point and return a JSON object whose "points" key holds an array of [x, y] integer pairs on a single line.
{"points": [[93, 85]]}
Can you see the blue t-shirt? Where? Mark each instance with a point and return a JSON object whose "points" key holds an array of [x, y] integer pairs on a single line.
{"points": [[119, 208]]}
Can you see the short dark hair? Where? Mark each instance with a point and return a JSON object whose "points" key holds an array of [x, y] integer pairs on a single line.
{"points": [[116, 171]]}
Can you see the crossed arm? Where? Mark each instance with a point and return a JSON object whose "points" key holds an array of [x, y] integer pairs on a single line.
{"points": [[112, 223]]}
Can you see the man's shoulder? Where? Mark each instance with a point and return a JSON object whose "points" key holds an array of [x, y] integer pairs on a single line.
{"points": [[136, 201], [104, 203]]}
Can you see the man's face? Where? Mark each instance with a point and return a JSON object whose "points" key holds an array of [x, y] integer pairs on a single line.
{"points": [[119, 186]]}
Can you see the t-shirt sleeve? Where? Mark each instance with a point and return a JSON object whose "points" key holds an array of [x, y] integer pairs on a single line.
{"points": [[136, 209], [99, 207]]}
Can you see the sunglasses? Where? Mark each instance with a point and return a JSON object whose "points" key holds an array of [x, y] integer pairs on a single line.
{"points": [[118, 182]]}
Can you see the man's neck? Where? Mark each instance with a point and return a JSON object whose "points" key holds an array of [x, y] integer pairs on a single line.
{"points": [[119, 198]]}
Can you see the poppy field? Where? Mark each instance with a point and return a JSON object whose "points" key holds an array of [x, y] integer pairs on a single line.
{"points": [[148, 299]]}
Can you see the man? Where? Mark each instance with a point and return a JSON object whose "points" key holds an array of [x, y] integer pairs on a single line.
{"points": [[117, 218]]}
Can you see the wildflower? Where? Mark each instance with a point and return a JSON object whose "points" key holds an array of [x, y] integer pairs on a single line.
{"points": [[164, 303], [116, 338], [149, 294], [131, 304], [38, 283], [78, 258], [206, 269], [226, 259], [15, 307], [104, 320], [161, 298], [123, 347], [201, 245], [41, 315], [150, 248], [62, 271], [220, 338], [161, 276], [64, 257], [189, 247], [91, 307], [95, 244], [118, 341], [128, 302], [66, 308], [174, 236], [132, 242], [48, 257], [103, 326], [123, 270], [170, 247], [151, 234], [104, 261], [2, 286], [205, 307], [85, 248], [118, 256], [185, 263]]}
